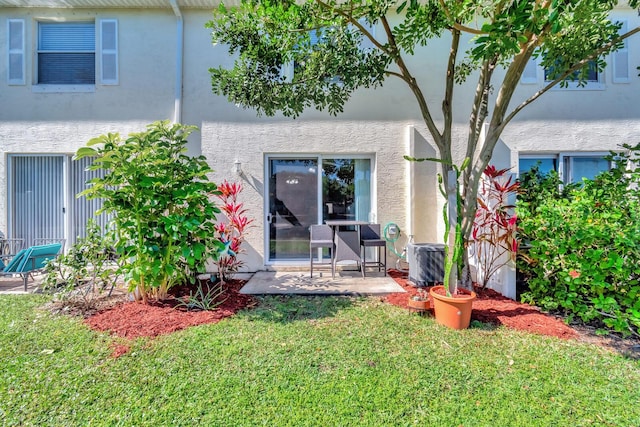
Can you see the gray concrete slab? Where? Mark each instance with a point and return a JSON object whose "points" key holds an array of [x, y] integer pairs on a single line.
{"points": [[299, 283], [15, 285]]}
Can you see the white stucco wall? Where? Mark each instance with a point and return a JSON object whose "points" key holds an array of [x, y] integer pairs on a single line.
{"points": [[225, 142]]}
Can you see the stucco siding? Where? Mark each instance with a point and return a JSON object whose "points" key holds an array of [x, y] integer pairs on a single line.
{"points": [[146, 56], [249, 143]]}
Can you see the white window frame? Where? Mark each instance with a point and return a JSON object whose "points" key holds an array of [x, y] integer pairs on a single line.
{"points": [[56, 88], [565, 172], [569, 157]]}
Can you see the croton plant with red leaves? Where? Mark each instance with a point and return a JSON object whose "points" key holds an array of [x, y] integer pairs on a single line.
{"points": [[494, 237], [231, 232]]}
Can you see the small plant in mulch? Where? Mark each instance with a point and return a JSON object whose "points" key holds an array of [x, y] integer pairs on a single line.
{"points": [[230, 233], [202, 299], [421, 295], [494, 242], [85, 276]]}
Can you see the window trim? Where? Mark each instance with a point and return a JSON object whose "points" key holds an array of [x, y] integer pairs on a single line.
{"points": [[561, 158], [528, 78], [59, 87]]}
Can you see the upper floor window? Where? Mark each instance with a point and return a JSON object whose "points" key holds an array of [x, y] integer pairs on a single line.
{"points": [[591, 73], [69, 56], [66, 53], [618, 70], [591, 79], [325, 35]]}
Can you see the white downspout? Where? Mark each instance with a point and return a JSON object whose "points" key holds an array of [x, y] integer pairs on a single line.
{"points": [[177, 114]]}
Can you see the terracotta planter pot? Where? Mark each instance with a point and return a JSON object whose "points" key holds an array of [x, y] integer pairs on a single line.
{"points": [[454, 312], [419, 305]]}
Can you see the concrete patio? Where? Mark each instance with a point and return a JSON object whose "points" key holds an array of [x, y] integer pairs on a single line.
{"points": [[346, 282], [15, 285]]}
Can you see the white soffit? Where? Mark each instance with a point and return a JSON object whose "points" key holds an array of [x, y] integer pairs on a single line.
{"points": [[105, 4]]}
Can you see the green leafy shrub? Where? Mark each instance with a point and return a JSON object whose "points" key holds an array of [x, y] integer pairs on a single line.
{"points": [[583, 257], [164, 218]]}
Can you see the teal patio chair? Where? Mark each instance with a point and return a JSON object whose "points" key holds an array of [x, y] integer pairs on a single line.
{"points": [[30, 260]]}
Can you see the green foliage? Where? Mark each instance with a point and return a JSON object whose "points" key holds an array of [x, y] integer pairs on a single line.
{"points": [[584, 258], [163, 217], [204, 300], [87, 269], [537, 188], [290, 57]]}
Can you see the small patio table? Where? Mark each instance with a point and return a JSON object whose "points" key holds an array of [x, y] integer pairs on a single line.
{"points": [[347, 242]]}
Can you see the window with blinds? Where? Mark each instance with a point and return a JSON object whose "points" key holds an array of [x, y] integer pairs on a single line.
{"points": [[66, 53]]}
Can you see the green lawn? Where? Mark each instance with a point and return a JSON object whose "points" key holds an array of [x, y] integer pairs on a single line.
{"points": [[304, 362]]}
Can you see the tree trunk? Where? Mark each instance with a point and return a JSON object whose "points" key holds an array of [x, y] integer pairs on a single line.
{"points": [[451, 272]]}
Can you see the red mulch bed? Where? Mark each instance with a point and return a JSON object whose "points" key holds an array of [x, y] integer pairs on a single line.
{"points": [[491, 307], [136, 319]]}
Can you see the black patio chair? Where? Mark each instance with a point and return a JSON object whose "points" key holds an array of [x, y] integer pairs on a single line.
{"points": [[370, 237]]}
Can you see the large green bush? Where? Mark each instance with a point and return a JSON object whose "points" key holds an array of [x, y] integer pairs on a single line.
{"points": [[164, 218], [584, 256]]}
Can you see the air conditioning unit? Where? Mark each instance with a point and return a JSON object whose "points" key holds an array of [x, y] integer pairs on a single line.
{"points": [[426, 263]]}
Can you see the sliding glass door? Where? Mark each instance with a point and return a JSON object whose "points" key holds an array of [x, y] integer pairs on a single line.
{"points": [[301, 193], [346, 189], [293, 207], [42, 198], [37, 197]]}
